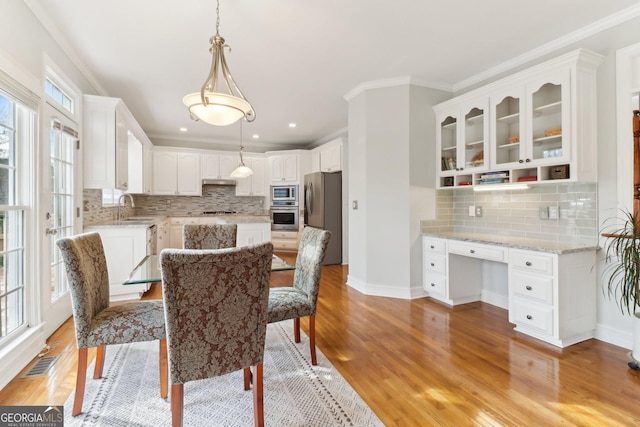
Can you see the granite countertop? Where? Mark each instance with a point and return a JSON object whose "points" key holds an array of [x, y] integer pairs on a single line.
{"points": [[149, 220], [515, 242]]}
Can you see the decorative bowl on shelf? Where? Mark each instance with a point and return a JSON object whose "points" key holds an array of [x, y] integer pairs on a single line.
{"points": [[553, 131], [513, 139]]}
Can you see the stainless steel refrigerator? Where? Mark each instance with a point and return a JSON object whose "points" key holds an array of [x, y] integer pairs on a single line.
{"points": [[323, 209]]}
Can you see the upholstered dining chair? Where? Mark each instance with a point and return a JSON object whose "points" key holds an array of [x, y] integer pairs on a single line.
{"points": [[96, 323], [301, 300], [216, 312], [209, 236]]}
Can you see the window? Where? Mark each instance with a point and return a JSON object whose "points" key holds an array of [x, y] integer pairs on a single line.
{"points": [[59, 96], [110, 196], [17, 127]]}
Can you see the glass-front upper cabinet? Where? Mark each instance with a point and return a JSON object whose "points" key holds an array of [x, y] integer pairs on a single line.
{"points": [[475, 138], [507, 112], [448, 137], [549, 115]]}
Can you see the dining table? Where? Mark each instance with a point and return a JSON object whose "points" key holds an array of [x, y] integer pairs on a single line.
{"points": [[148, 270]]}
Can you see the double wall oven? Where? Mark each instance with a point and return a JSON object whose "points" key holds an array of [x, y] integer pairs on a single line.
{"points": [[284, 207]]}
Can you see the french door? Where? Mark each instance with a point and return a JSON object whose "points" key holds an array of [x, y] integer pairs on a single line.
{"points": [[59, 214]]}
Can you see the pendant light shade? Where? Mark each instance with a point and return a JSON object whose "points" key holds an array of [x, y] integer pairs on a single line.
{"points": [[242, 171], [220, 102]]}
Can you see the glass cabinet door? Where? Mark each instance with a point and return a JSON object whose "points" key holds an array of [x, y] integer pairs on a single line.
{"points": [[509, 127], [448, 144], [549, 116], [475, 139]]}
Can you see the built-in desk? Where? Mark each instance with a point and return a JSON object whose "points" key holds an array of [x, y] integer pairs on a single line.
{"points": [[549, 288]]}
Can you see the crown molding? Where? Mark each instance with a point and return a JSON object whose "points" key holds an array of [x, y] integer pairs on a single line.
{"points": [[57, 36], [566, 40], [393, 82]]}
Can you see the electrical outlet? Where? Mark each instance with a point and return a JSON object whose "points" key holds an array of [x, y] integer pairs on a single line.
{"points": [[544, 213], [554, 212], [478, 210]]}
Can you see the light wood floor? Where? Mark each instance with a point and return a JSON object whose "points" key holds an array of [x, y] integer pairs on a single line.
{"points": [[420, 363]]}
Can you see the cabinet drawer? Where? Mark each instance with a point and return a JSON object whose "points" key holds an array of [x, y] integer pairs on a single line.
{"points": [[435, 283], [182, 221], [285, 245], [433, 246], [533, 315], [435, 264], [534, 262], [491, 253], [538, 288], [285, 235]]}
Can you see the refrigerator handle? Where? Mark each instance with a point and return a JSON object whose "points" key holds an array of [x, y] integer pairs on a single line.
{"points": [[308, 198]]}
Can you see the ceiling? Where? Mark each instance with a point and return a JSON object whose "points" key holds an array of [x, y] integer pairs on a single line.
{"points": [[295, 60]]}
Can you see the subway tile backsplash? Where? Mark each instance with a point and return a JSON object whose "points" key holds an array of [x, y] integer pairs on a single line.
{"points": [[518, 212], [214, 198]]}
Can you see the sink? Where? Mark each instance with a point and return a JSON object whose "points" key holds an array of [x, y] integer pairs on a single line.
{"points": [[138, 219]]}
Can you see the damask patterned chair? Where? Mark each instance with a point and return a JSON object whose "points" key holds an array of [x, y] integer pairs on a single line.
{"points": [[302, 299], [97, 324], [213, 236], [216, 309]]}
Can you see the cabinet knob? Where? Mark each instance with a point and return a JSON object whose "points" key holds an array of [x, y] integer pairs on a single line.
{"points": [[433, 285], [528, 264], [433, 265], [432, 247], [528, 288], [472, 251], [529, 317], [520, 161], [528, 160]]}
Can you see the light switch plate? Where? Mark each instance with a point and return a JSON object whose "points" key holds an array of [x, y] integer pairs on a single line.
{"points": [[472, 211], [478, 210], [554, 212]]}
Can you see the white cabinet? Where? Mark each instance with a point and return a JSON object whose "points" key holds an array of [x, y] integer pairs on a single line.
{"points": [[540, 124], [284, 240], [175, 230], [106, 147], [463, 138], [147, 165], [176, 173], [252, 233], [331, 158], [140, 165], [550, 296], [124, 248], [218, 166], [253, 185], [283, 168]]}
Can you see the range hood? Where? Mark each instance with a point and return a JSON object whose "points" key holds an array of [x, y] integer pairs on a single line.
{"points": [[220, 181]]}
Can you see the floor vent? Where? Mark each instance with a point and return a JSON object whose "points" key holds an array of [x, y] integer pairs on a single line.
{"points": [[41, 367]]}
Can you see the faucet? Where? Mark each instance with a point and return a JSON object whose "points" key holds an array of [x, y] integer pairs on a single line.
{"points": [[133, 205]]}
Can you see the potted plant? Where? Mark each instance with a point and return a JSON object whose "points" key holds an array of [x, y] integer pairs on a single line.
{"points": [[622, 273]]}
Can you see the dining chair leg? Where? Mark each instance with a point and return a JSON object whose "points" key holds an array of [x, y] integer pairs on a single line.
{"points": [[247, 378], [80, 380], [177, 404], [258, 397], [164, 370], [296, 329], [312, 339], [97, 371]]}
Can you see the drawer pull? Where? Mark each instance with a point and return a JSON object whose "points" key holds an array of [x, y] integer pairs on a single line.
{"points": [[433, 265], [433, 285], [432, 247], [472, 251], [528, 264], [529, 317], [528, 288]]}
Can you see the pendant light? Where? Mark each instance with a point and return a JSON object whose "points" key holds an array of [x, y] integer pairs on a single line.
{"points": [[242, 171], [220, 102]]}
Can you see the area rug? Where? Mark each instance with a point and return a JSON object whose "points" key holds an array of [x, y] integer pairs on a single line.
{"points": [[296, 393]]}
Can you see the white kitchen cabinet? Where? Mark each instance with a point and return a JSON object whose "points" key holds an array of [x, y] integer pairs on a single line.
{"points": [[540, 122], [252, 233], [124, 248], [176, 173], [550, 296], [175, 230], [283, 168], [253, 185], [463, 138], [331, 158], [106, 144], [147, 165], [218, 166], [284, 240]]}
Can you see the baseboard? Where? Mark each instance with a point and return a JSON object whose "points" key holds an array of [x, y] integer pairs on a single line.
{"points": [[385, 291], [614, 336], [19, 353], [494, 298]]}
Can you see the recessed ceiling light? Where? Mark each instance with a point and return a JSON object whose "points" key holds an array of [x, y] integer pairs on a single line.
{"points": [[183, 129], [255, 136], [292, 125]]}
